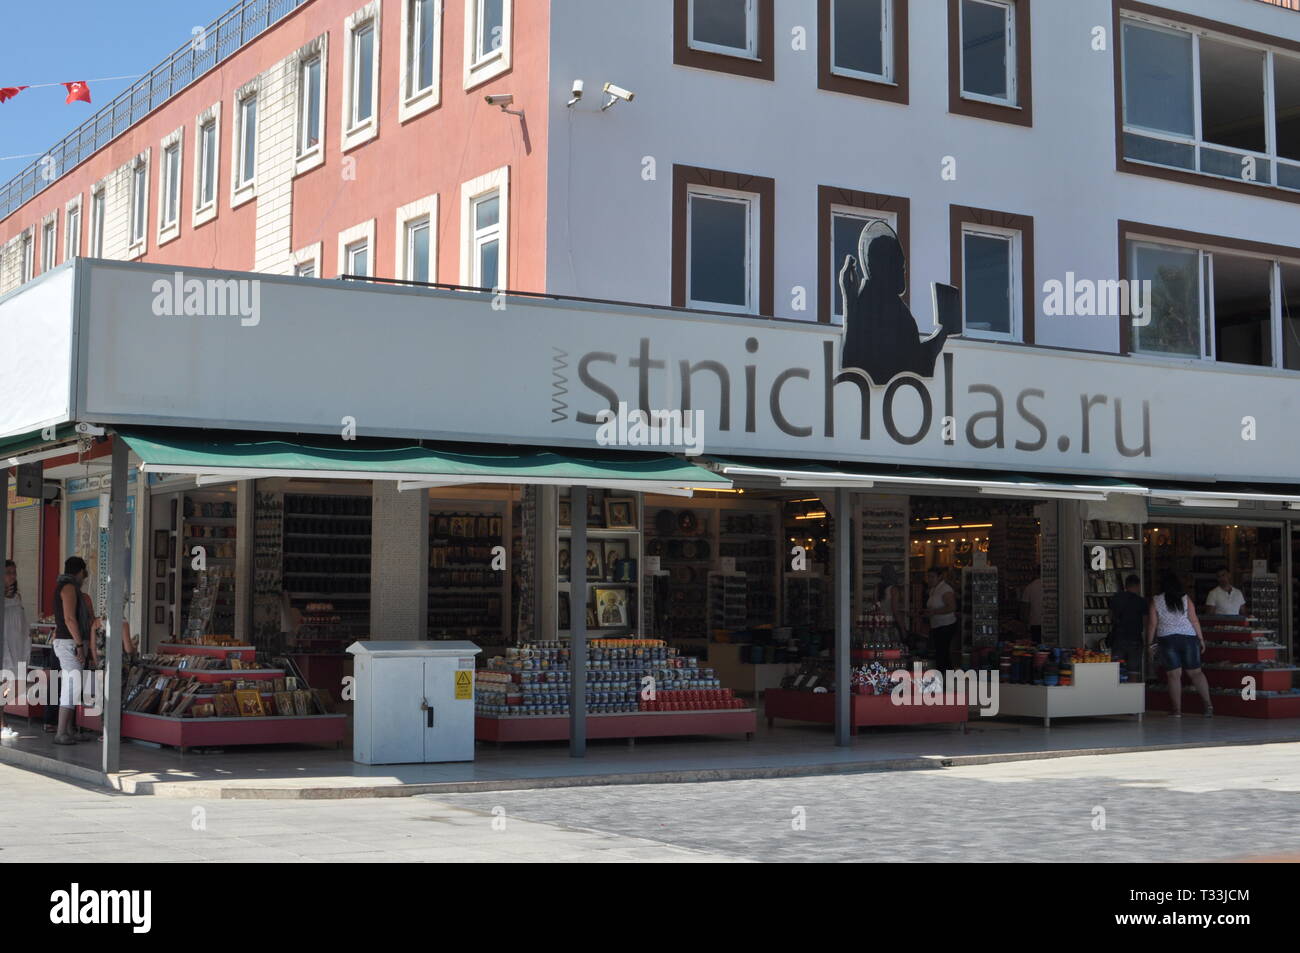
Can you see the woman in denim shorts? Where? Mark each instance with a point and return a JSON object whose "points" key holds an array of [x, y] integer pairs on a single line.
{"points": [[1174, 635]]}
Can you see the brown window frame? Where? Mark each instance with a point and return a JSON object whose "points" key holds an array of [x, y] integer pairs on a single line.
{"points": [[959, 215], [829, 196], [891, 92], [765, 188], [762, 68], [1185, 176], [1022, 114]]}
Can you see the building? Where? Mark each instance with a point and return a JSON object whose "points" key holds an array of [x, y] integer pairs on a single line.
{"points": [[1035, 156]]}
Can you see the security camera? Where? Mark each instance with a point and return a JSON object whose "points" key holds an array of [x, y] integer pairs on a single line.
{"points": [[500, 99], [578, 87], [616, 93]]}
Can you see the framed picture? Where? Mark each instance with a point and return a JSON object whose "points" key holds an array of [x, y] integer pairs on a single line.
{"points": [[160, 537], [625, 571], [1103, 529], [566, 517], [611, 608], [564, 561], [249, 701], [160, 569], [591, 618], [1116, 531], [171, 549], [595, 560], [158, 615], [595, 512], [620, 513], [563, 621], [615, 553], [160, 592]]}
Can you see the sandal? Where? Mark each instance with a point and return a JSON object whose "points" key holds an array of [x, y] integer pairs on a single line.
{"points": [[64, 740]]}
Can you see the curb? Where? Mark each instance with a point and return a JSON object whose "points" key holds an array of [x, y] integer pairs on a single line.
{"points": [[207, 790], [53, 767]]}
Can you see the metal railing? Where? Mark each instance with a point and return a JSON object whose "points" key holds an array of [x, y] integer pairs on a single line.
{"points": [[229, 33]]}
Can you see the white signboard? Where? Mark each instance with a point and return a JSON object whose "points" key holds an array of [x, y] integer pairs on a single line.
{"points": [[36, 352], [312, 356]]}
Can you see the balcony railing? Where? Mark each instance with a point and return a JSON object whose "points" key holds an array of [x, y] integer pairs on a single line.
{"points": [[227, 34]]}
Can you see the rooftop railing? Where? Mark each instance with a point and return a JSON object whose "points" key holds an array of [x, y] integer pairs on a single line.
{"points": [[226, 35]]}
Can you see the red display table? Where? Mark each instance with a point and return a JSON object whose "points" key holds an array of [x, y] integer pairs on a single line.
{"points": [[200, 732], [1262, 706], [864, 710], [245, 653], [643, 724]]}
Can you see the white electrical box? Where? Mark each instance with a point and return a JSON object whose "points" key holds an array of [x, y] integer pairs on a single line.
{"points": [[414, 702]]}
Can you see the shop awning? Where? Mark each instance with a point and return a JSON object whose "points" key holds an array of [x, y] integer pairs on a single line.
{"points": [[814, 476], [218, 456]]}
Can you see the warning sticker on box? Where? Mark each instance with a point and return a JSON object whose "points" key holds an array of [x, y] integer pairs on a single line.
{"points": [[465, 662], [464, 686]]}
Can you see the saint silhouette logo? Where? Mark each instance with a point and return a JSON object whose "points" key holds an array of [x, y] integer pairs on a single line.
{"points": [[881, 339]]}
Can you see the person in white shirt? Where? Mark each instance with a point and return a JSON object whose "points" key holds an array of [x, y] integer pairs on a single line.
{"points": [[17, 644], [1225, 599], [941, 611]]}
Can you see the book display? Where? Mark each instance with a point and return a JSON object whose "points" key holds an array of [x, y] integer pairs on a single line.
{"points": [[468, 574], [189, 695]]}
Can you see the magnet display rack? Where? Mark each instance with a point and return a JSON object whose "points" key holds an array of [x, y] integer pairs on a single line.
{"points": [[327, 558], [468, 599], [980, 625], [1122, 545]]}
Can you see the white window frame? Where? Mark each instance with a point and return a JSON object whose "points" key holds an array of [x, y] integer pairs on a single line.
{"points": [[753, 252], [426, 210], [168, 230], [865, 216], [470, 193], [1208, 318], [1016, 294], [201, 211], [72, 229], [242, 190], [886, 46], [27, 255], [307, 158], [357, 133], [1012, 55], [98, 212], [479, 70], [49, 242], [1196, 141], [311, 256], [137, 235], [414, 102], [349, 238], [750, 52]]}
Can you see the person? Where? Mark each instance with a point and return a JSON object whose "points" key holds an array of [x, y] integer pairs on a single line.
{"points": [[1174, 637], [941, 611], [1225, 599], [72, 634], [1128, 611], [1031, 601], [17, 644], [890, 596]]}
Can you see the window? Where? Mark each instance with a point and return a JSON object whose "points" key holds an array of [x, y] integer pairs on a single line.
{"points": [[421, 45], [306, 269], [487, 39], [860, 39], [724, 26], [990, 286], [363, 74], [207, 168], [28, 257], [309, 108], [485, 230], [417, 250], [306, 262], [1234, 305], [97, 223], [847, 226], [989, 75], [207, 173], [49, 235], [356, 251], [1219, 106], [992, 265], [722, 249], [246, 154], [171, 185], [486, 249], [72, 231], [358, 258], [139, 201], [415, 240]]}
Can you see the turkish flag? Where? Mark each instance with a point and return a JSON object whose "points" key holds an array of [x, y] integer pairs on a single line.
{"points": [[9, 92], [78, 91]]}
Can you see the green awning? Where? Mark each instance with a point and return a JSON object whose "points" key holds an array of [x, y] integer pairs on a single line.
{"points": [[802, 474], [218, 456]]}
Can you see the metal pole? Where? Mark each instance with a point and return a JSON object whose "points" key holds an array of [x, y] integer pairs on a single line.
{"points": [[578, 623], [4, 555], [843, 588], [118, 574]]}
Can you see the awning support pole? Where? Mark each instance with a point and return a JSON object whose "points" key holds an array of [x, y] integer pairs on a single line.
{"points": [[843, 589], [4, 555], [578, 623], [118, 574]]}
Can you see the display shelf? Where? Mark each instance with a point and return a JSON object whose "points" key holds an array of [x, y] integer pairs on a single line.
{"points": [[325, 558], [979, 599], [1095, 691], [186, 733], [883, 527], [1121, 544], [240, 652], [864, 710], [807, 600], [636, 724], [1228, 702], [467, 598]]}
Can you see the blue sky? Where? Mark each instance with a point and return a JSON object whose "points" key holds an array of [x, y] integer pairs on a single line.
{"points": [[57, 41]]}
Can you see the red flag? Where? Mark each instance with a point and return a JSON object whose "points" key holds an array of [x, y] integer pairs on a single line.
{"points": [[78, 91], [9, 92]]}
